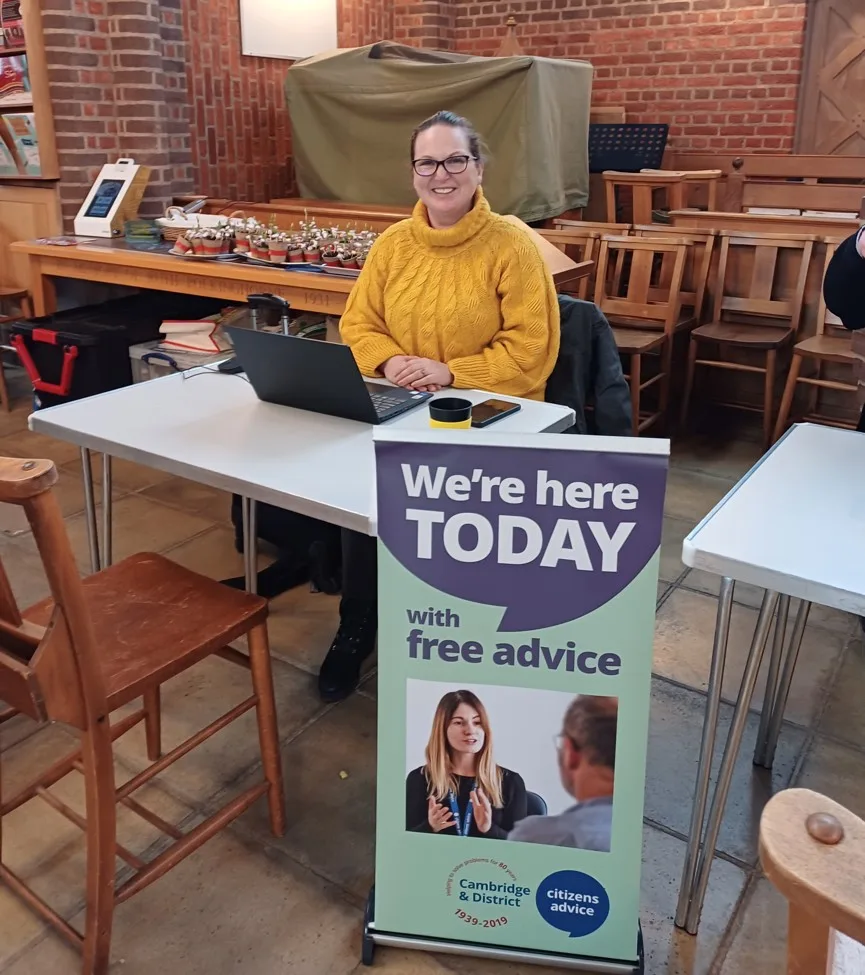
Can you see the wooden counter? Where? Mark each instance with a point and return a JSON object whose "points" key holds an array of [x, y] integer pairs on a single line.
{"points": [[115, 262]]}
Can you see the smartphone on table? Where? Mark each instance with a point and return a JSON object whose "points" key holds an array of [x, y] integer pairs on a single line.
{"points": [[483, 414]]}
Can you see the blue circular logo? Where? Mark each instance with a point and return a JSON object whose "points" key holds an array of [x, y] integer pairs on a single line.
{"points": [[572, 902]]}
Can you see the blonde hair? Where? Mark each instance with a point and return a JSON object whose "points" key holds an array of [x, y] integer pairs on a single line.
{"points": [[439, 775]]}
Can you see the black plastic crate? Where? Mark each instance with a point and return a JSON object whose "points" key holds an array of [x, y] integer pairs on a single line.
{"points": [[77, 353]]}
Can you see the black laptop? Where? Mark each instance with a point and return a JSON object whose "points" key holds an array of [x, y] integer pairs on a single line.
{"points": [[322, 377]]}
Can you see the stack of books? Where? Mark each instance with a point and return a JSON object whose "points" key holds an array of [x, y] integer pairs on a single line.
{"points": [[19, 142], [11, 25]]}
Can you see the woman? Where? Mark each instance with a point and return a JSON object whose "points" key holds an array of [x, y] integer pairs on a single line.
{"points": [[844, 287], [460, 791], [453, 296]]}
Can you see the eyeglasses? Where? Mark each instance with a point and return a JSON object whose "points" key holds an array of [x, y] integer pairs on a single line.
{"points": [[453, 165]]}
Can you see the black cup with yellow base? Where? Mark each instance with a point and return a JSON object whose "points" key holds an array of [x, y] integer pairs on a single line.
{"points": [[450, 413]]}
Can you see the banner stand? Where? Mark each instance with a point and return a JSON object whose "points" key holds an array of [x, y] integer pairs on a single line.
{"points": [[372, 937]]}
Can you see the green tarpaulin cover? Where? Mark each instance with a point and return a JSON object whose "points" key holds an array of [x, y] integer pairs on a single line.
{"points": [[353, 110]]}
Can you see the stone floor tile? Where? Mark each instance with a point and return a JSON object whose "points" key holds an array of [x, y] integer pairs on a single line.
{"points": [[675, 530], [200, 695], [15, 730], [715, 455], [329, 772], [38, 446], [683, 652], [691, 495], [395, 961], [675, 731], [844, 716], [760, 941], [265, 916], [140, 525], [189, 496], [836, 771], [302, 625], [125, 474], [24, 568], [19, 927], [13, 521], [830, 619], [212, 554]]}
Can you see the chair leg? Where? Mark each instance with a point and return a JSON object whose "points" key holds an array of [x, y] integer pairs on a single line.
{"points": [[635, 369], [689, 380], [768, 397], [268, 734], [4, 390], [787, 398], [153, 723], [666, 362], [101, 846]]}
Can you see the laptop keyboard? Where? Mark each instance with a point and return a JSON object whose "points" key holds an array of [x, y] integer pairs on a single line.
{"points": [[383, 402]]}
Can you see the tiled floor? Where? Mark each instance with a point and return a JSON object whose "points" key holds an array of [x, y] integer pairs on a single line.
{"points": [[249, 903]]}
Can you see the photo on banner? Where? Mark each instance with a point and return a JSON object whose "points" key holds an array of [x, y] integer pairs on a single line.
{"points": [[517, 589]]}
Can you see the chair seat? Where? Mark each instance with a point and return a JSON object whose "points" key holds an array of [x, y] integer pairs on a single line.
{"points": [[152, 619], [12, 294], [751, 336], [836, 349], [633, 340]]}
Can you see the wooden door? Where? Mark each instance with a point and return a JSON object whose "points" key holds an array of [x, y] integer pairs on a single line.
{"points": [[832, 94]]}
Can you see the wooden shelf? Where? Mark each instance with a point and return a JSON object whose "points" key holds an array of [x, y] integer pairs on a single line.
{"points": [[24, 178], [16, 101], [12, 51]]}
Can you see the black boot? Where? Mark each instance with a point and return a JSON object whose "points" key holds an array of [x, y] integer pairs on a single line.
{"points": [[353, 643], [280, 576]]}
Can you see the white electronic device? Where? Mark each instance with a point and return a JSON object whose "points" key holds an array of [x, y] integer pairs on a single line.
{"points": [[113, 199]]}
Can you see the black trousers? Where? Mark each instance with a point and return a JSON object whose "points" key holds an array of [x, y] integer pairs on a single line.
{"points": [[861, 425], [359, 567]]}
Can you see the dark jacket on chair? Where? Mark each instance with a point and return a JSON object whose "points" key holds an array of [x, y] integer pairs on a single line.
{"points": [[588, 372], [844, 290]]}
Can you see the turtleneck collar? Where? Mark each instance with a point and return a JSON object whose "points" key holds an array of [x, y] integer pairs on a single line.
{"points": [[477, 219]]}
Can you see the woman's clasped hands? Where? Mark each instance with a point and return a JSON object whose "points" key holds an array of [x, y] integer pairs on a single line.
{"points": [[426, 375]]}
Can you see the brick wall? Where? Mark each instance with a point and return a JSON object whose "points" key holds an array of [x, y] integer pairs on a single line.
{"points": [[723, 73], [117, 78]]}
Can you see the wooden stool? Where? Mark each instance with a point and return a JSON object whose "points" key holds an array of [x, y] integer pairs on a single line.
{"points": [[22, 298], [98, 645], [832, 343], [643, 186]]}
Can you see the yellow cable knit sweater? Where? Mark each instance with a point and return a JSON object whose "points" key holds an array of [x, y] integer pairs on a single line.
{"points": [[476, 296]]}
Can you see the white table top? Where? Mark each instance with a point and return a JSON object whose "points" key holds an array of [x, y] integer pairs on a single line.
{"points": [[212, 428], [795, 523]]}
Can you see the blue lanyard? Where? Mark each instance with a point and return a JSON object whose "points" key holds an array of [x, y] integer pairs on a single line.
{"points": [[455, 810]]}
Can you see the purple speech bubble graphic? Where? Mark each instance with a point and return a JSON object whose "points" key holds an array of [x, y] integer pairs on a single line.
{"points": [[603, 533]]}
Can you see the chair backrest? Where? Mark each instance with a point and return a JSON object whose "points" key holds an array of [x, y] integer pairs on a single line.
{"points": [[535, 805], [701, 245], [813, 850], [636, 292], [560, 223], [580, 245], [828, 323], [49, 672], [752, 280]]}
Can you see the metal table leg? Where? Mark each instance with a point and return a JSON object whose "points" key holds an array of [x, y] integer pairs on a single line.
{"points": [[731, 751], [90, 510], [772, 678], [707, 746], [107, 527], [249, 517], [780, 703]]}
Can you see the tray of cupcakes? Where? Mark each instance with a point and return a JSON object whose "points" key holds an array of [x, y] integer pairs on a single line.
{"points": [[331, 250]]}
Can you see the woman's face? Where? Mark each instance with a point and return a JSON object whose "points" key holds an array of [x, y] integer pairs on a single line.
{"points": [[465, 732], [447, 196]]}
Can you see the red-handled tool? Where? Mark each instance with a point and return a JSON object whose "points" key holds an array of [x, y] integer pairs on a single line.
{"points": [[70, 354]]}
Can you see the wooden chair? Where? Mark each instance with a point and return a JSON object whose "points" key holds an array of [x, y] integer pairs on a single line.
{"points": [[747, 314], [832, 343], [645, 184], [701, 246], [619, 229], [22, 299], [101, 643], [813, 850], [580, 245], [644, 311]]}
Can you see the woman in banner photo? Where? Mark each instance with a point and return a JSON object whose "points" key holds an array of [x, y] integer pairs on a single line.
{"points": [[455, 295], [460, 791]]}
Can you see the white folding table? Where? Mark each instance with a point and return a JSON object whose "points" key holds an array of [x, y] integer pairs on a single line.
{"points": [[794, 526], [211, 428]]}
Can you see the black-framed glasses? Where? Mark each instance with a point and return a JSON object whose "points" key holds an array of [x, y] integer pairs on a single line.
{"points": [[453, 165]]}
